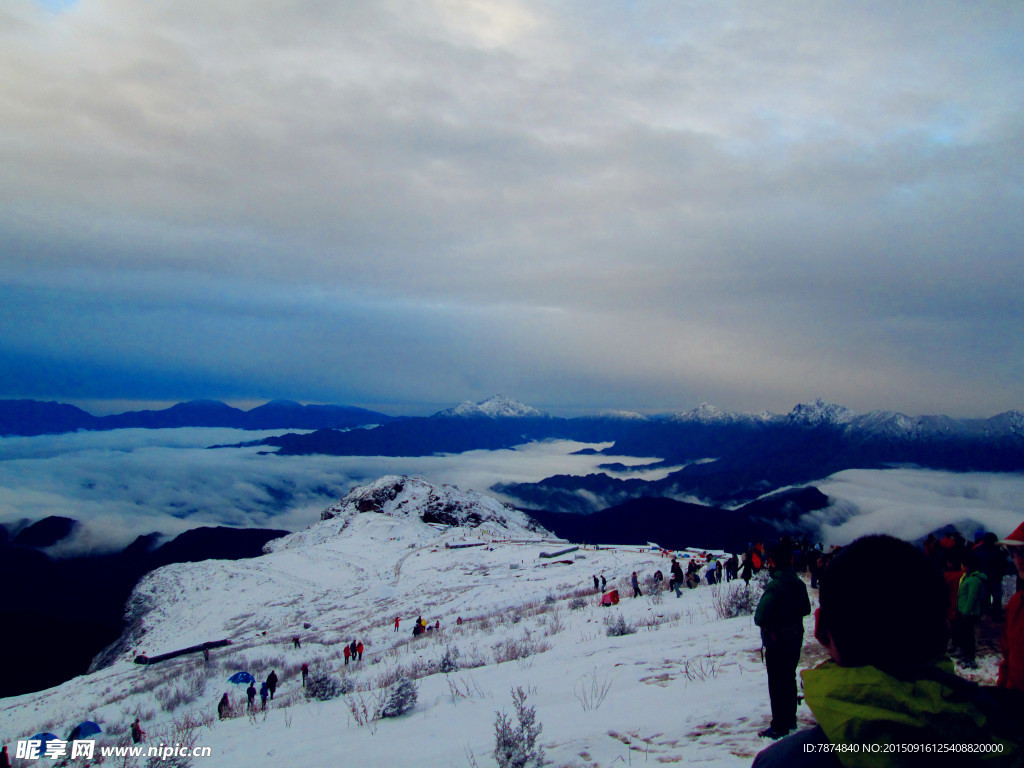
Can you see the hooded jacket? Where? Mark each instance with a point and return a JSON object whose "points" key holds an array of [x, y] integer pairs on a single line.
{"points": [[781, 609], [864, 705], [880, 721], [971, 595]]}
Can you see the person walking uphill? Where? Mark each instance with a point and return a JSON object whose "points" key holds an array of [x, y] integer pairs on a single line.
{"points": [[780, 614], [888, 682], [635, 582], [272, 683]]}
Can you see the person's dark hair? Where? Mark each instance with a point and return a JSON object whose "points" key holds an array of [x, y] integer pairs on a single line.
{"points": [[884, 603], [971, 561], [782, 554]]}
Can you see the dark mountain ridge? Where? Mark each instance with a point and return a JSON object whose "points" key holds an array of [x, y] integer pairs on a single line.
{"points": [[57, 614], [32, 417], [725, 459], [676, 524]]}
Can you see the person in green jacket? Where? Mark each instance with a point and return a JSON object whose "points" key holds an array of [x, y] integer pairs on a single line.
{"points": [[780, 615], [969, 602], [888, 698]]}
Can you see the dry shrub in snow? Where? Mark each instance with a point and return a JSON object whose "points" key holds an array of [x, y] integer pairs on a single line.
{"points": [[515, 744], [737, 599], [323, 686], [450, 660], [399, 699], [618, 626], [515, 648]]}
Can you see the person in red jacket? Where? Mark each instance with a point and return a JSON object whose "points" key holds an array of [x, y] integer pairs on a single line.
{"points": [[348, 652], [1011, 668], [359, 650]]}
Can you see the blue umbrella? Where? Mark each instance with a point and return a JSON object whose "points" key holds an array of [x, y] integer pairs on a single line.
{"points": [[241, 678], [84, 730]]}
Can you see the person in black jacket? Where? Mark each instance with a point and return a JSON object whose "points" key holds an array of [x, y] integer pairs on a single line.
{"points": [[780, 615], [272, 683], [224, 707]]}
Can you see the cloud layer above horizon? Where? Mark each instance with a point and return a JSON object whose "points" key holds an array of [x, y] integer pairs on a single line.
{"points": [[403, 205]]}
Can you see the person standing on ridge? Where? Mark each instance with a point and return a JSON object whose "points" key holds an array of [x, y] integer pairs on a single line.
{"points": [[780, 614], [969, 601]]}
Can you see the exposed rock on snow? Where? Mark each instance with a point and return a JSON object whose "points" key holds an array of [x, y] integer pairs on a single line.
{"points": [[415, 500]]}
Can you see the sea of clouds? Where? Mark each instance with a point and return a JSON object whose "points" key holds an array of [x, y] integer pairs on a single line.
{"points": [[124, 483], [911, 503]]}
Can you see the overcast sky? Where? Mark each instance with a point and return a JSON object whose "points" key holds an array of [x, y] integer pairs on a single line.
{"points": [[403, 205]]}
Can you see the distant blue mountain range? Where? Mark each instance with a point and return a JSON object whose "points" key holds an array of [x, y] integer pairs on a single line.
{"points": [[33, 417], [720, 458]]}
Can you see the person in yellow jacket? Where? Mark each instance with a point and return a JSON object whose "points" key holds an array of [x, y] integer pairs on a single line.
{"points": [[888, 697]]}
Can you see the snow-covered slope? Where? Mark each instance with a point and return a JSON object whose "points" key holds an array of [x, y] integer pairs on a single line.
{"points": [[685, 687]]}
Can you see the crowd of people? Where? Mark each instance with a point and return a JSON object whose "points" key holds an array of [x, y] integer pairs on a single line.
{"points": [[888, 695]]}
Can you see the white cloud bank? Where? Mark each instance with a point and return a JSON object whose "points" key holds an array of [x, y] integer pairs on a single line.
{"points": [[125, 483], [910, 503]]}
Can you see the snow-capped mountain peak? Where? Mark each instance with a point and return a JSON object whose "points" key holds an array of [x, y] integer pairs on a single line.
{"points": [[705, 413], [496, 407], [413, 503], [819, 412], [622, 416]]}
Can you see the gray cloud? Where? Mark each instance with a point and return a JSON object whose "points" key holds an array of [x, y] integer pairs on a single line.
{"points": [[421, 202]]}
